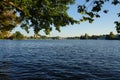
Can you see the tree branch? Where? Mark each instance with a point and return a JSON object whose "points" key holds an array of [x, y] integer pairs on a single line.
{"points": [[13, 5]]}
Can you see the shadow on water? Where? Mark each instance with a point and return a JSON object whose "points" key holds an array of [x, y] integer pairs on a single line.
{"points": [[4, 74]]}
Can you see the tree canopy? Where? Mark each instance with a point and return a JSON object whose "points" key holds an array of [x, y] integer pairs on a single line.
{"points": [[43, 14], [38, 14]]}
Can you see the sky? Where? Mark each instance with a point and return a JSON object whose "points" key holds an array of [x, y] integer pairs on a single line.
{"points": [[103, 25]]}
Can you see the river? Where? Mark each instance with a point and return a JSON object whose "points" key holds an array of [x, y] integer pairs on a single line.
{"points": [[59, 60]]}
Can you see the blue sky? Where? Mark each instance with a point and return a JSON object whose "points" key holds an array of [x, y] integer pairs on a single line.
{"points": [[103, 25]]}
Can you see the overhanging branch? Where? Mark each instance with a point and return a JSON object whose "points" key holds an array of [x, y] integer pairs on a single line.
{"points": [[13, 5]]}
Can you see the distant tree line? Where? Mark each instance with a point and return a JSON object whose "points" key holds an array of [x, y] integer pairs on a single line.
{"points": [[7, 35], [19, 36], [110, 36]]}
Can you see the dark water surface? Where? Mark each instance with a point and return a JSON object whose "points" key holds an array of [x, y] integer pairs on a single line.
{"points": [[59, 60]]}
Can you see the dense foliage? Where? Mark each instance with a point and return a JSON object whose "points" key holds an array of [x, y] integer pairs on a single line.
{"points": [[38, 14], [4, 34]]}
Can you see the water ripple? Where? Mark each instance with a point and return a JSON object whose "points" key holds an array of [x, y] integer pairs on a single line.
{"points": [[59, 60]]}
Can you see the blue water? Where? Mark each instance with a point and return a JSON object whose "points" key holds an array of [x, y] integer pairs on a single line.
{"points": [[59, 60]]}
